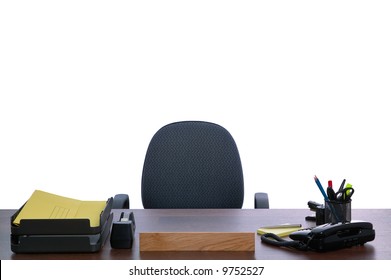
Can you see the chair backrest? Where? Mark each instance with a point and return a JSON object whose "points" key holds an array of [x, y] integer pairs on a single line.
{"points": [[192, 164]]}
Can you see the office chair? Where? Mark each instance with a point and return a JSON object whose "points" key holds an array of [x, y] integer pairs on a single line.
{"points": [[194, 164]]}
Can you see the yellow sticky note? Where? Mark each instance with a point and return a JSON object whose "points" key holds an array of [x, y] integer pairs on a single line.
{"points": [[282, 231]]}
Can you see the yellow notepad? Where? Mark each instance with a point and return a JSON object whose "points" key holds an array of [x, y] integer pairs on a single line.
{"points": [[279, 230], [43, 205]]}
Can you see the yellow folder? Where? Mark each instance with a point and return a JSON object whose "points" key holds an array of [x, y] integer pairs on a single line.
{"points": [[44, 205]]}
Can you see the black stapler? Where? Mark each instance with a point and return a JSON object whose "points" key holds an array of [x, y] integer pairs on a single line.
{"points": [[319, 216]]}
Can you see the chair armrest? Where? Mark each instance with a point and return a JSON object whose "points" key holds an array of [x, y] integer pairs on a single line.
{"points": [[261, 200], [121, 201]]}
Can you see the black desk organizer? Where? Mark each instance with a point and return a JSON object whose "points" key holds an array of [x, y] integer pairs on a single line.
{"points": [[60, 235]]}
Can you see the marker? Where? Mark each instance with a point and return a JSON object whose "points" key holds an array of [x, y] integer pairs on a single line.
{"points": [[330, 191], [331, 194], [348, 186]]}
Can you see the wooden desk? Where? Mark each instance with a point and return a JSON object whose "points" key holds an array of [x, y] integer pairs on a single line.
{"points": [[221, 220]]}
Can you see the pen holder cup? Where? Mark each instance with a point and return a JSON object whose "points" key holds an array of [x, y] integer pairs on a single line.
{"points": [[338, 211]]}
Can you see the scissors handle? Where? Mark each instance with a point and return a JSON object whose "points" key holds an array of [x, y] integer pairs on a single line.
{"points": [[345, 194]]}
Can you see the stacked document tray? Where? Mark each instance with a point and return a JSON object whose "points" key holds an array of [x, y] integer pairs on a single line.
{"points": [[60, 235]]}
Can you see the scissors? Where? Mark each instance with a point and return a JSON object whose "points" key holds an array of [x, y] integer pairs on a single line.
{"points": [[345, 194]]}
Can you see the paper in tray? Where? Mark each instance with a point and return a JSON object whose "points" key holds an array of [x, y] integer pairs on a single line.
{"points": [[59, 226]]}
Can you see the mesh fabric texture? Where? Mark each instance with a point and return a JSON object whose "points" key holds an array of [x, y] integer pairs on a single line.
{"points": [[192, 164]]}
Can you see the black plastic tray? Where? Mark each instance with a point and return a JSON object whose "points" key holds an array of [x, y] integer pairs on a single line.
{"points": [[60, 226], [61, 243]]}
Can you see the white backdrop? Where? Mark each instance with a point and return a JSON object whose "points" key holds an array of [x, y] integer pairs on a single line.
{"points": [[301, 85]]}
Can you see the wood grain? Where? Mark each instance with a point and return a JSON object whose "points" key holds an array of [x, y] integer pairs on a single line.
{"points": [[197, 241]]}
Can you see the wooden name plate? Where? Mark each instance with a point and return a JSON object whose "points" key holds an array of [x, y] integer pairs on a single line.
{"points": [[197, 241]]}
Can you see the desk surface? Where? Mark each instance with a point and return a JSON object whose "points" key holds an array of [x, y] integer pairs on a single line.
{"points": [[221, 220]]}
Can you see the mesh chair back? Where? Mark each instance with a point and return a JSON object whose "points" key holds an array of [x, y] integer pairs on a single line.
{"points": [[192, 164]]}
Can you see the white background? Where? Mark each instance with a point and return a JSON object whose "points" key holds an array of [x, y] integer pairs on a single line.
{"points": [[301, 85], [292, 269]]}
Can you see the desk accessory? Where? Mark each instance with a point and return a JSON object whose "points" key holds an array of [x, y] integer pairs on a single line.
{"points": [[122, 232], [319, 212], [342, 208], [31, 234], [337, 206], [61, 243], [326, 237], [326, 198], [336, 236]]}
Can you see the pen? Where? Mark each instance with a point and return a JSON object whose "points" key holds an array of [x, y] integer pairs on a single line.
{"points": [[283, 226]]}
